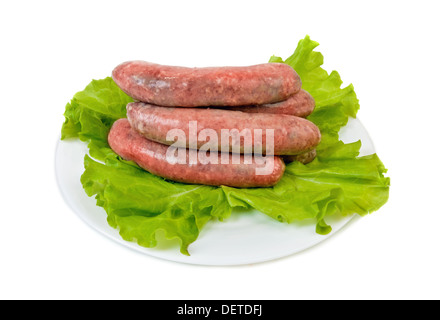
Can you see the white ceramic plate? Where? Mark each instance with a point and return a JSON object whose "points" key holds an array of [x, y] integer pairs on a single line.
{"points": [[246, 237]]}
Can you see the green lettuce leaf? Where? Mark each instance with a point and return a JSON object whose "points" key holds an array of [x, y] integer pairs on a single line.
{"points": [[140, 204], [334, 105], [91, 113]]}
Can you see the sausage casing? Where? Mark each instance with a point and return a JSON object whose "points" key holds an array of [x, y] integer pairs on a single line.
{"points": [[291, 135], [210, 86], [300, 104], [153, 157], [304, 158]]}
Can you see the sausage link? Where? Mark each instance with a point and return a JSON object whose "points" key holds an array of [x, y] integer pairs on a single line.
{"points": [[292, 135], [304, 158], [300, 104], [211, 86], [152, 157]]}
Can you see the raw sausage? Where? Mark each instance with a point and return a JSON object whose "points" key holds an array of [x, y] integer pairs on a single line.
{"points": [[304, 158], [300, 104], [152, 156], [210, 86], [291, 135]]}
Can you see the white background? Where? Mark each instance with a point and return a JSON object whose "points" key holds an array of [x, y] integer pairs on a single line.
{"points": [[389, 50]]}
